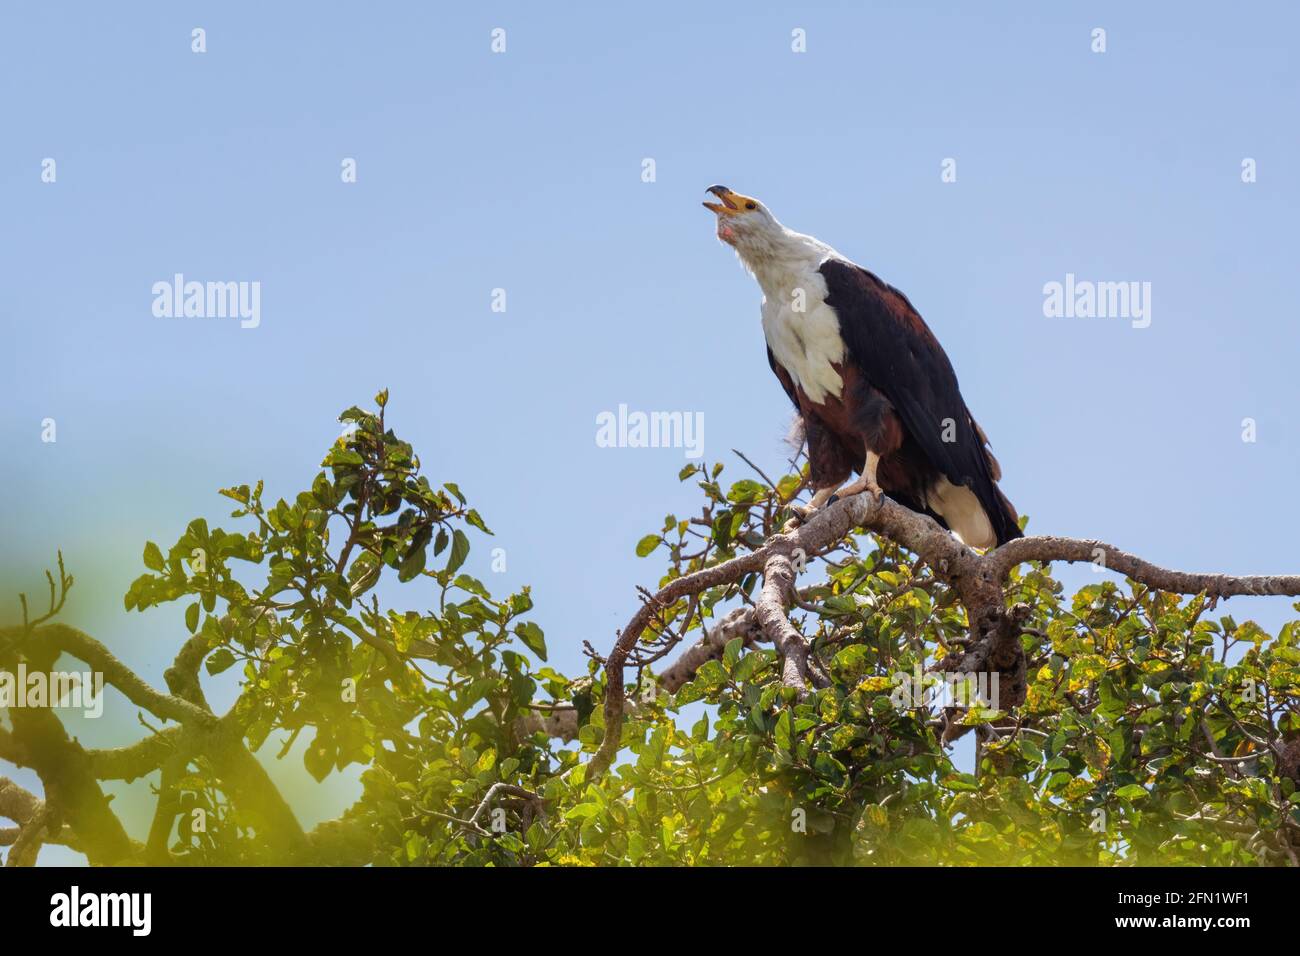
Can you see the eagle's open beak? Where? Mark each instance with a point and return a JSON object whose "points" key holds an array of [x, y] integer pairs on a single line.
{"points": [[732, 202]]}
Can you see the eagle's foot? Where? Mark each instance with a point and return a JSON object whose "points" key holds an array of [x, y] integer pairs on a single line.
{"points": [[866, 481], [858, 487], [799, 514], [803, 513]]}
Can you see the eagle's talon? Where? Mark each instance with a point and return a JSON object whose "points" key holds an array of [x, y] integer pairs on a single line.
{"points": [[799, 514], [863, 486]]}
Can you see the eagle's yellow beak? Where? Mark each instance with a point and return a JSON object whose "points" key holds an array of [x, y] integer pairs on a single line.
{"points": [[732, 202]]}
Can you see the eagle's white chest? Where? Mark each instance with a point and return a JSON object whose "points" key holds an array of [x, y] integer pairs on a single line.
{"points": [[802, 331]]}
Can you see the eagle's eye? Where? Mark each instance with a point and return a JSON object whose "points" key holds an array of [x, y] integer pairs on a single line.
{"points": [[750, 205]]}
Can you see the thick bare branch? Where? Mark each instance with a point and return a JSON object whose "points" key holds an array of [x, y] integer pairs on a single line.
{"points": [[31, 835], [78, 644], [1108, 556], [561, 721], [183, 676], [739, 622], [12, 750], [70, 785], [16, 803], [138, 759], [770, 610]]}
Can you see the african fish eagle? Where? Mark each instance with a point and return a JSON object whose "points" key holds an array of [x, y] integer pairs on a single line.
{"points": [[874, 390]]}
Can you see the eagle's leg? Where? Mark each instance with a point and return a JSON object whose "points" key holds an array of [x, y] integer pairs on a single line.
{"points": [[829, 465], [867, 481]]}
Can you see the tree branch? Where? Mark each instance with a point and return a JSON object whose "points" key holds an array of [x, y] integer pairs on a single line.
{"points": [[1108, 556], [770, 610], [16, 803], [70, 640], [28, 811], [994, 644], [739, 622]]}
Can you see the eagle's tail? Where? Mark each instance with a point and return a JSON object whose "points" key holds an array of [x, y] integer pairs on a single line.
{"points": [[1006, 522], [1008, 527], [964, 512]]}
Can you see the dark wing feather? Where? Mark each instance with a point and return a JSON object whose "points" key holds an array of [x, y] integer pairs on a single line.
{"points": [[900, 356], [783, 379]]}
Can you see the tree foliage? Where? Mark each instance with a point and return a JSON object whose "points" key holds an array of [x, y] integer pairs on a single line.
{"points": [[1152, 731]]}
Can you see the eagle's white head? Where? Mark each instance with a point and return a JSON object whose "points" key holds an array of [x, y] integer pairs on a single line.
{"points": [[761, 242]]}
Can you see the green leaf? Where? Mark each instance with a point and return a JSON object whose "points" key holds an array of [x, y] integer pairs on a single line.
{"points": [[472, 585], [783, 734], [960, 783], [583, 811], [319, 759], [192, 617], [722, 528], [473, 519], [647, 544], [415, 559], [532, 637], [1058, 780], [1134, 791], [732, 652], [746, 490], [153, 559], [239, 493], [459, 550], [219, 660]]}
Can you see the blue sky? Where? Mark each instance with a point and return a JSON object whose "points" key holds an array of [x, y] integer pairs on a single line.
{"points": [[523, 171]]}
